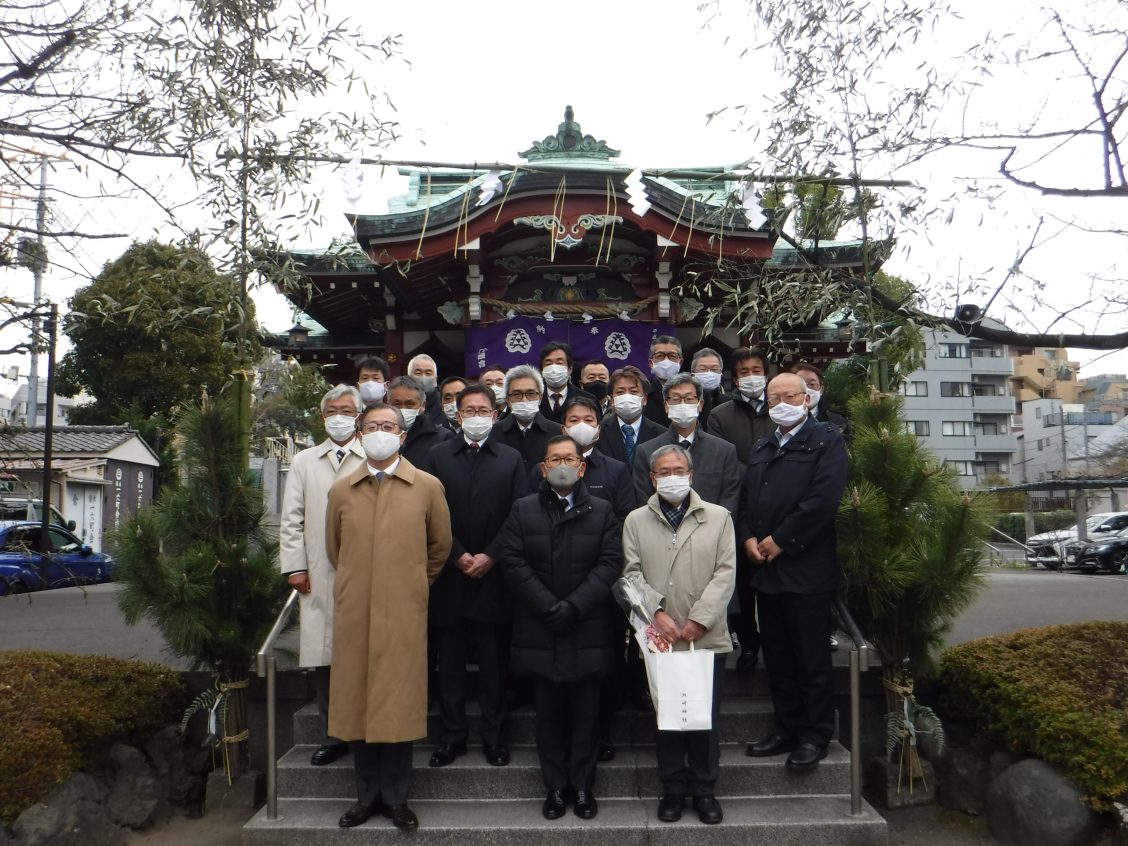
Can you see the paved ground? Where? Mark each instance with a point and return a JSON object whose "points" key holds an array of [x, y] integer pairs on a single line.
{"points": [[88, 622]]}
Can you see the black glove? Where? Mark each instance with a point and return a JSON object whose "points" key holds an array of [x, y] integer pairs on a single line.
{"points": [[562, 617]]}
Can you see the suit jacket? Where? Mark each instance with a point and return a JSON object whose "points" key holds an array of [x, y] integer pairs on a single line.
{"points": [[480, 491], [611, 436], [421, 438], [825, 415], [531, 444], [655, 408], [606, 479], [712, 400], [738, 422], [716, 470], [792, 493], [572, 391]]}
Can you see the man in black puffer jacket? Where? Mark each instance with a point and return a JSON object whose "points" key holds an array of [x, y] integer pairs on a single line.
{"points": [[560, 552]]}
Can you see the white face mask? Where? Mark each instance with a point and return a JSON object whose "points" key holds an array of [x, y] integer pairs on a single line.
{"points": [[428, 382], [673, 488], [499, 392], [815, 397], [563, 478], [450, 411], [752, 386], [340, 427], [410, 415], [525, 411], [628, 407], [785, 415], [709, 380], [477, 429], [683, 414], [665, 368], [555, 375], [372, 391], [582, 433], [380, 445]]}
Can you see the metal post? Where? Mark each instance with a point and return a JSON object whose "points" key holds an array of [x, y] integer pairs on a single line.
{"points": [[271, 741], [855, 734], [48, 440], [38, 265]]}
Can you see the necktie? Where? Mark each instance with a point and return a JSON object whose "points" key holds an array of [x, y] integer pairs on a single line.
{"points": [[629, 442], [563, 503], [686, 445], [340, 456], [556, 398], [380, 474]]}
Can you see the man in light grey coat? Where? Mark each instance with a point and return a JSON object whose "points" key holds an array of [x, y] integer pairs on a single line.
{"points": [[302, 543], [680, 552]]}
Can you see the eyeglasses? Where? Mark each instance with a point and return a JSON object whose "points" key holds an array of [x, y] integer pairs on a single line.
{"points": [[664, 473], [390, 428], [776, 399], [707, 369], [684, 399], [517, 396], [662, 356], [557, 460], [476, 412], [344, 412], [814, 385]]}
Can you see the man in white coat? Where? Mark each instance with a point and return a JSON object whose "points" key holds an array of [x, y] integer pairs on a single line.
{"points": [[302, 543]]}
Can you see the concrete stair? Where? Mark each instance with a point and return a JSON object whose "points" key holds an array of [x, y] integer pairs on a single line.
{"points": [[471, 803]]}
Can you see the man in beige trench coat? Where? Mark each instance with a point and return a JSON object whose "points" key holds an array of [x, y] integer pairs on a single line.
{"points": [[388, 535], [301, 538]]}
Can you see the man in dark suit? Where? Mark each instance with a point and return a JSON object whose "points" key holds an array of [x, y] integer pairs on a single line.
{"points": [[709, 370], [406, 394], [628, 389], [665, 363], [594, 376], [493, 377], [743, 420], [423, 368], [716, 470], [790, 498], [469, 602], [524, 428], [813, 378], [449, 389], [556, 370]]}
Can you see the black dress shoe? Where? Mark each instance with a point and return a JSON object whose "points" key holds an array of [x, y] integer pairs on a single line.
{"points": [[357, 814], [606, 752], [497, 756], [708, 809], [586, 807], [402, 817], [806, 756], [747, 660], [775, 744], [328, 754], [554, 805], [670, 807], [446, 754]]}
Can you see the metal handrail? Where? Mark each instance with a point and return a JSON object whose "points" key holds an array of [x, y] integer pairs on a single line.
{"points": [[266, 666], [1012, 540], [859, 663]]}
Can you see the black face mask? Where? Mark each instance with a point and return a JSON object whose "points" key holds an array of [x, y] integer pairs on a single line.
{"points": [[596, 389]]}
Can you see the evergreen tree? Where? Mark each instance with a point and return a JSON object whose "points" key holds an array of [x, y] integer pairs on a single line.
{"points": [[200, 565], [910, 540]]}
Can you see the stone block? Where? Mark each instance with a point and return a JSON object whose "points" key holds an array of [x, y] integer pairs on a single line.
{"points": [[885, 790], [247, 791], [72, 815], [1033, 804], [964, 776]]}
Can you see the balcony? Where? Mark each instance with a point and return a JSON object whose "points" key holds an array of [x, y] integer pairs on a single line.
{"points": [[1080, 418], [996, 443]]}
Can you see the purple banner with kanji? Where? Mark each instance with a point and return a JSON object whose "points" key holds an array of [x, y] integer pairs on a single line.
{"points": [[519, 340]]}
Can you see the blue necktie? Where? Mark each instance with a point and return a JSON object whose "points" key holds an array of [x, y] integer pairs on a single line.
{"points": [[629, 442]]}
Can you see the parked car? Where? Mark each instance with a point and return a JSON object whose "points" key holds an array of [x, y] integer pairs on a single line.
{"points": [[1109, 554], [19, 508], [1048, 548], [70, 562]]}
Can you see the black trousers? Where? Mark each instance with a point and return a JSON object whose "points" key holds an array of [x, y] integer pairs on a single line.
{"points": [[744, 623], [567, 725], [383, 771], [795, 640], [689, 761], [321, 697], [454, 648]]}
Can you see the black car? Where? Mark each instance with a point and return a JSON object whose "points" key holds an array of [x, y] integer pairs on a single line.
{"points": [[1108, 554]]}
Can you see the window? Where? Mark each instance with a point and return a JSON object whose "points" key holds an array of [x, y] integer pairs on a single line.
{"points": [[917, 427], [1037, 414], [955, 389], [990, 427], [916, 389], [956, 428], [962, 468], [1040, 443], [952, 351]]}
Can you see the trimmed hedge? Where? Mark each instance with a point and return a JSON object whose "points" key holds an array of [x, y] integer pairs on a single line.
{"points": [[56, 709], [1059, 692], [1044, 521]]}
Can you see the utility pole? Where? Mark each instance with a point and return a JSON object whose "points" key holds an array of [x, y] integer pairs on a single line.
{"points": [[48, 440], [38, 265]]}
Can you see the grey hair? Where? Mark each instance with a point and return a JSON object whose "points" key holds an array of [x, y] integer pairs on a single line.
{"points": [[524, 371], [422, 357], [381, 406], [666, 450], [682, 379], [409, 382], [665, 339], [340, 392], [706, 352]]}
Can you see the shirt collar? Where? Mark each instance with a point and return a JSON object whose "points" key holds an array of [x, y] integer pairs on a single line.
{"points": [[390, 471], [784, 437]]}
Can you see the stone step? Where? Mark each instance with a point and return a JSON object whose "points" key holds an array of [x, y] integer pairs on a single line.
{"points": [[632, 773], [741, 720], [749, 821]]}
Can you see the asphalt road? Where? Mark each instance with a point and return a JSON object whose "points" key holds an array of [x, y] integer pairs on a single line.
{"points": [[87, 621]]}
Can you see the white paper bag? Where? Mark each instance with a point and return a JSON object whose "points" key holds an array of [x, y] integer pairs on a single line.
{"points": [[681, 687]]}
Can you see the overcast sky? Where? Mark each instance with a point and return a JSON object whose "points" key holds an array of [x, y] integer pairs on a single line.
{"points": [[479, 82]]}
